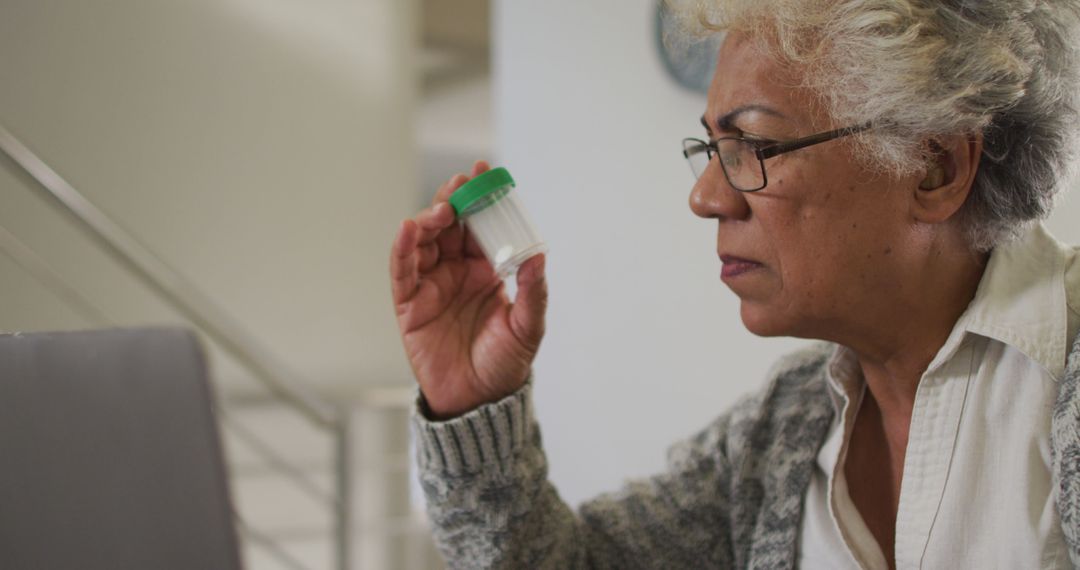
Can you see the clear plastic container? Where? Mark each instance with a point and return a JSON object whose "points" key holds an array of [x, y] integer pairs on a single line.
{"points": [[497, 219]]}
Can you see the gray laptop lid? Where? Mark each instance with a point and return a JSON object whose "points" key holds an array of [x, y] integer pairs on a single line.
{"points": [[109, 454]]}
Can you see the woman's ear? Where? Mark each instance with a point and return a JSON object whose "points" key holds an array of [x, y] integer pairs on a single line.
{"points": [[951, 164]]}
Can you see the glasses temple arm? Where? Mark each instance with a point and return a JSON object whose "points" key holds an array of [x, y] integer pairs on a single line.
{"points": [[781, 148]]}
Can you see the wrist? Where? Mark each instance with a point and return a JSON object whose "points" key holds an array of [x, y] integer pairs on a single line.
{"points": [[436, 410], [432, 414], [494, 433]]}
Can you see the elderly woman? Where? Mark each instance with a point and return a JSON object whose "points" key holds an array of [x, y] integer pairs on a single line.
{"points": [[876, 170]]}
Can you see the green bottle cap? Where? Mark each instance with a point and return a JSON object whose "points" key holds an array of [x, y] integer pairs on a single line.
{"points": [[482, 191]]}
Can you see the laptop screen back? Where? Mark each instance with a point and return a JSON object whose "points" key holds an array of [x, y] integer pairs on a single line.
{"points": [[109, 454]]}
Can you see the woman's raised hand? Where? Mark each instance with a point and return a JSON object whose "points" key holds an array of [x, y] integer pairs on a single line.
{"points": [[466, 342]]}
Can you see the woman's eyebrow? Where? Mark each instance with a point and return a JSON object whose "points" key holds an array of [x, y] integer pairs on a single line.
{"points": [[727, 121], [705, 124]]}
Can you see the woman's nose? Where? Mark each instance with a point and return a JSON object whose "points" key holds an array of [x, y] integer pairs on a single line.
{"points": [[714, 197]]}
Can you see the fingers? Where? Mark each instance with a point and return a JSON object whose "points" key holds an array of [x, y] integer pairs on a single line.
{"points": [[530, 303], [479, 167], [434, 220], [455, 182], [447, 189], [472, 247], [427, 256], [403, 270], [432, 235]]}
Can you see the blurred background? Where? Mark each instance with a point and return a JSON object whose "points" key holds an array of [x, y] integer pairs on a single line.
{"points": [[241, 167]]}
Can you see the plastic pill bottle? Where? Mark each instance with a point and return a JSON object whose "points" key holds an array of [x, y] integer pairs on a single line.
{"points": [[495, 216]]}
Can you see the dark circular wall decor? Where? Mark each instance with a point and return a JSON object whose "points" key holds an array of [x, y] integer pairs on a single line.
{"points": [[689, 63]]}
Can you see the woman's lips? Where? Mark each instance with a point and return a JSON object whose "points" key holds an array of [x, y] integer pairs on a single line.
{"points": [[735, 266]]}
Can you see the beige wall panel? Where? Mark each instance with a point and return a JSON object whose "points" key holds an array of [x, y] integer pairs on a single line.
{"points": [[263, 149]]}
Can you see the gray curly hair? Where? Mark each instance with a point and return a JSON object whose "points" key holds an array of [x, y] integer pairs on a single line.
{"points": [[929, 68]]}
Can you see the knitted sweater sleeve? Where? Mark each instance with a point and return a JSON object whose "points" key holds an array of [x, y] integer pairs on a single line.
{"points": [[491, 506]]}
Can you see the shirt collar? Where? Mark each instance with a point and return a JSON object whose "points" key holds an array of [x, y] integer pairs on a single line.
{"points": [[1021, 301], [843, 376]]}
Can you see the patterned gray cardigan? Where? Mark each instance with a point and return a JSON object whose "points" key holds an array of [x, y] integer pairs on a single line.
{"points": [[732, 496]]}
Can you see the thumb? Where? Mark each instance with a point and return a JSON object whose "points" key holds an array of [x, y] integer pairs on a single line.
{"points": [[530, 303]]}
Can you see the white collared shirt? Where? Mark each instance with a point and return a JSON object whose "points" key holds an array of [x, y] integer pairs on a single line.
{"points": [[976, 489]]}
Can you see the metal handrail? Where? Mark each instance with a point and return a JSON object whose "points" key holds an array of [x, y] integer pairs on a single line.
{"points": [[172, 286], [41, 271], [284, 466], [269, 545], [25, 257], [203, 313]]}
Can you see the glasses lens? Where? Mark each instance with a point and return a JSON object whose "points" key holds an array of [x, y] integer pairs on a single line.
{"points": [[741, 165], [697, 154]]}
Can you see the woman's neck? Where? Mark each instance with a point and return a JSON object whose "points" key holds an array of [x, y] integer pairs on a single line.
{"points": [[896, 341]]}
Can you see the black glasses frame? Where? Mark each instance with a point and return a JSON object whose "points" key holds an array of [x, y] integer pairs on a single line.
{"points": [[765, 150]]}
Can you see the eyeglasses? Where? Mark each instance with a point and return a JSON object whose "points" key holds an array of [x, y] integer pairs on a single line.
{"points": [[743, 160]]}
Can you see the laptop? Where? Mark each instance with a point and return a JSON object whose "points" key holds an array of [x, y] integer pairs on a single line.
{"points": [[110, 457]]}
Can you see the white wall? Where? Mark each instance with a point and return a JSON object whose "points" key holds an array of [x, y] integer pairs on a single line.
{"points": [[644, 344], [264, 148], [1065, 221]]}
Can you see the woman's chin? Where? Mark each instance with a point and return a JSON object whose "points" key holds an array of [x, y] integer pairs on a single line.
{"points": [[761, 320]]}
